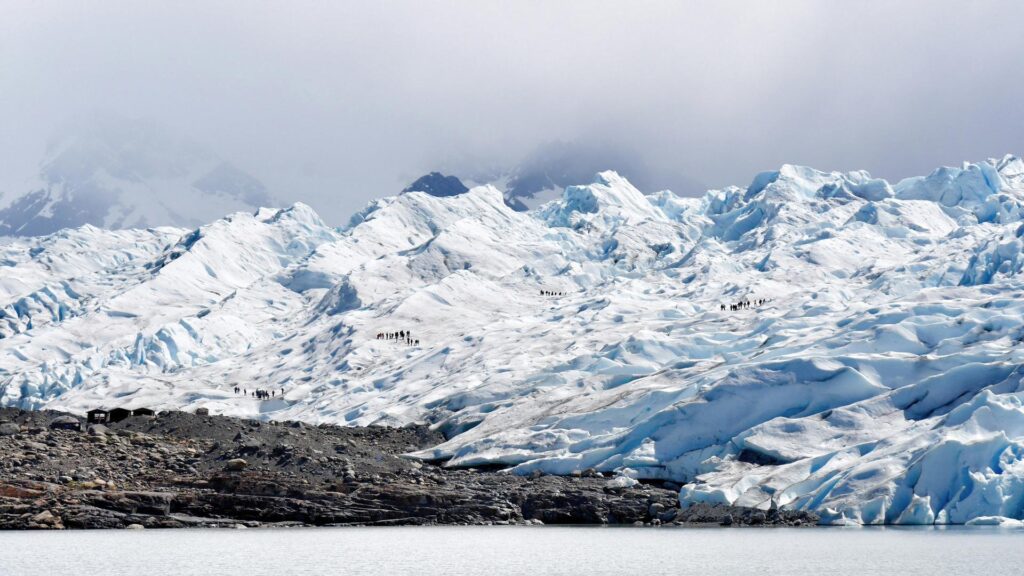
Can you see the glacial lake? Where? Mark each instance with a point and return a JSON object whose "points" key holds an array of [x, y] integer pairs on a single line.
{"points": [[532, 551]]}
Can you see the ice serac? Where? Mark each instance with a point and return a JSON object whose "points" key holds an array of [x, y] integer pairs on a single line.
{"points": [[825, 341]]}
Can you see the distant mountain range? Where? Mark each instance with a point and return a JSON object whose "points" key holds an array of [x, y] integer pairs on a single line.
{"points": [[116, 173], [544, 173]]}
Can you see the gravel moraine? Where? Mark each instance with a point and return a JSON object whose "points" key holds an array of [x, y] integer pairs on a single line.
{"points": [[182, 470]]}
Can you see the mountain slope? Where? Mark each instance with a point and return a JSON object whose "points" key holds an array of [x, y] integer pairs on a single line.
{"points": [[115, 173], [544, 173], [437, 184], [829, 341]]}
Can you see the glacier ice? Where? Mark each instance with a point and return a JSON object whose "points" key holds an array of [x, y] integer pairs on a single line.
{"points": [[880, 381]]}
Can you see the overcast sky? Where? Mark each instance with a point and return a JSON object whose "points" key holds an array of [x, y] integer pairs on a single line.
{"points": [[334, 103]]}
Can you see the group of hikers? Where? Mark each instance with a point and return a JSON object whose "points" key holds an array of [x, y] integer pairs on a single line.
{"points": [[744, 304], [551, 293], [404, 336], [259, 393]]}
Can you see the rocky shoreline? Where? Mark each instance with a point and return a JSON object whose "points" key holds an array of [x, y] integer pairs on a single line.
{"points": [[176, 470]]}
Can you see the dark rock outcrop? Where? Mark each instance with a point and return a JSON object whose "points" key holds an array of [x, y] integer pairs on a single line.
{"points": [[437, 184], [183, 470]]}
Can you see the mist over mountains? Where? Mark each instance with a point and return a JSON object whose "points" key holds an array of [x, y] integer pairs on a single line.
{"points": [[112, 172], [543, 174]]}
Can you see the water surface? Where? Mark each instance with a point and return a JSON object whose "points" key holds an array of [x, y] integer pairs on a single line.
{"points": [[533, 551]]}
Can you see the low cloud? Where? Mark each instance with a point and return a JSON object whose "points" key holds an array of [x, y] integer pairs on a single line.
{"points": [[337, 103]]}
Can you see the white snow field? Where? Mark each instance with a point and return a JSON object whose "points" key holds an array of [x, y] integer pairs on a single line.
{"points": [[881, 382]]}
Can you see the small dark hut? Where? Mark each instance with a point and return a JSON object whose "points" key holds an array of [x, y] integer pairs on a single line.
{"points": [[96, 416], [142, 412], [118, 414]]}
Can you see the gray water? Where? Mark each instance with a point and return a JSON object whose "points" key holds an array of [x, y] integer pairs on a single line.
{"points": [[514, 550]]}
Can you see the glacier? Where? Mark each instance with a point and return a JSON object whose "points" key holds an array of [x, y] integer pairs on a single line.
{"points": [[875, 376]]}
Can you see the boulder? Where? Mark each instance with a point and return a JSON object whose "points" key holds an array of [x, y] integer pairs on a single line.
{"points": [[46, 518], [248, 445], [236, 465], [9, 428], [655, 509], [20, 492], [65, 423]]}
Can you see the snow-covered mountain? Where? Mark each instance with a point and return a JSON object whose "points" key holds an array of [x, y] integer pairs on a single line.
{"points": [[875, 375], [543, 174], [118, 173]]}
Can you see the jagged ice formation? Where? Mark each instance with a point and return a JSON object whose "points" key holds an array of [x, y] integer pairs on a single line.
{"points": [[880, 383]]}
